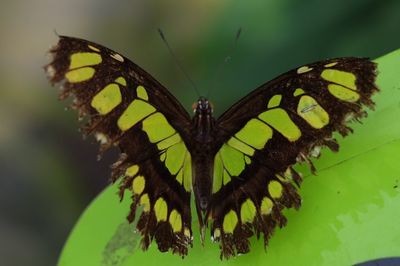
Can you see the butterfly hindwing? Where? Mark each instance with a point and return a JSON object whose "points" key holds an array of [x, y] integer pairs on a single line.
{"points": [[285, 121], [126, 107]]}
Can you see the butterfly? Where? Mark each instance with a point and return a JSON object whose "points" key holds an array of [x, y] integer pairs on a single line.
{"points": [[239, 166]]}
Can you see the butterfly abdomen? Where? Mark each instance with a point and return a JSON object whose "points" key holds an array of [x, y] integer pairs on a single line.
{"points": [[202, 178]]}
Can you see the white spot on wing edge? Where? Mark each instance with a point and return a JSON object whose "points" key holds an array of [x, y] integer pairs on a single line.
{"points": [[304, 69], [91, 47], [331, 64], [50, 71], [316, 152], [100, 137], [117, 57]]}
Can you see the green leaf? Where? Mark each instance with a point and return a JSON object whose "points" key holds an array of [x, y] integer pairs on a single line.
{"points": [[349, 213]]}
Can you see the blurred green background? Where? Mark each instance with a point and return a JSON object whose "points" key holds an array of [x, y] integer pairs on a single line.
{"points": [[49, 174]]}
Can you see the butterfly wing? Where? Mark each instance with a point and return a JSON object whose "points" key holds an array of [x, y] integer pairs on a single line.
{"points": [[126, 107], [284, 121]]}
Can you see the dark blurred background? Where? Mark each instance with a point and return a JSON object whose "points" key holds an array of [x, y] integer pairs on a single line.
{"points": [[48, 174]]}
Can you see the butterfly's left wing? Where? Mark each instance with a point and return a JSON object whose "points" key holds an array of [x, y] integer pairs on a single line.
{"points": [[284, 121], [126, 107]]}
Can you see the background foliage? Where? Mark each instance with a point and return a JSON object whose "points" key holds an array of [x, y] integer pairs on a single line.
{"points": [[48, 174]]}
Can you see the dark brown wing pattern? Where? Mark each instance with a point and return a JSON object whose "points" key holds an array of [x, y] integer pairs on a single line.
{"points": [[285, 121], [128, 108]]}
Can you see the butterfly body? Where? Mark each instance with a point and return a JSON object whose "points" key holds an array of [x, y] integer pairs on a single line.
{"points": [[203, 146], [238, 166]]}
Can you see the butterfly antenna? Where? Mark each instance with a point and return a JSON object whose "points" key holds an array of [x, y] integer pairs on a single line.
{"points": [[177, 62], [227, 58]]}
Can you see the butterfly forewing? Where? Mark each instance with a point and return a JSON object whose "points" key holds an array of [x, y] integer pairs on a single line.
{"points": [[284, 121], [128, 108]]}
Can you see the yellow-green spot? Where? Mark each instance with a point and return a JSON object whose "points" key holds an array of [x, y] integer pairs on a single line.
{"points": [[247, 159], [79, 75], [247, 211], [280, 120], [343, 93], [331, 64], [107, 99], [298, 92], [218, 173], [275, 189], [309, 109], [255, 133], [142, 93], [226, 177], [275, 101], [232, 159], [121, 81], [343, 78], [91, 47], [217, 233], [145, 202], [266, 206], [282, 178], [175, 157], [168, 142], [303, 69], [179, 177], [132, 170], [138, 184], [136, 111], [240, 146], [187, 172], [157, 127], [186, 232], [84, 59], [288, 174], [230, 222], [161, 210], [175, 220], [163, 156]]}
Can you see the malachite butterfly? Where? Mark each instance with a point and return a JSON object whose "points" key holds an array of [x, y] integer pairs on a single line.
{"points": [[238, 166]]}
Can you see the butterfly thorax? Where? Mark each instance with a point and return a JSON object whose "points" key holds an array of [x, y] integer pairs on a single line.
{"points": [[203, 121]]}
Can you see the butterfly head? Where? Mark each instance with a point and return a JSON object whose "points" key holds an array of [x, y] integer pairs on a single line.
{"points": [[202, 106]]}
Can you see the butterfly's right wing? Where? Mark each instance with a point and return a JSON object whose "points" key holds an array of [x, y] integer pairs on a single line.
{"points": [[284, 121], [126, 107]]}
